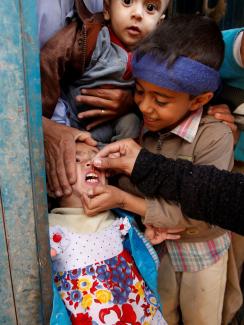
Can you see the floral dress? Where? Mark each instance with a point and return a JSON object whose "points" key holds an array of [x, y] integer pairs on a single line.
{"points": [[98, 279]]}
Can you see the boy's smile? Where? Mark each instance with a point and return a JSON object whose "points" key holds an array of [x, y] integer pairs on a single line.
{"points": [[162, 108], [132, 20]]}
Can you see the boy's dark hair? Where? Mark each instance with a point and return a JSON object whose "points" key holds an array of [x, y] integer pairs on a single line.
{"points": [[193, 36]]}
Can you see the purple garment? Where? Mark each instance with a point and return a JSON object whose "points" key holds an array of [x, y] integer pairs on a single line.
{"points": [[184, 75]]}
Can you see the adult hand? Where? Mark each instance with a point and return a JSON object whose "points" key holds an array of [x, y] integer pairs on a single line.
{"points": [[59, 145], [108, 104], [118, 156], [223, 113], [102, 198]]}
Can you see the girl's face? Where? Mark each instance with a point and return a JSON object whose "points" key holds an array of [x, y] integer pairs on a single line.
{"points": [[87, 176], [162, 108]]}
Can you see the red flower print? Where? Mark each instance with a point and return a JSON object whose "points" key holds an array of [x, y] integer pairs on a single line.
{"points": [[83, 319], [57, 237]]}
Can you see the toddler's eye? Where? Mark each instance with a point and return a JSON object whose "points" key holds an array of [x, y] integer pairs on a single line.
{"points": [[127, 2], [151, 7]]}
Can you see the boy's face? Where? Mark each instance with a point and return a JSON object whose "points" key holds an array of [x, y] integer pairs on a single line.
{"points": [[87, 176], [132, 20], [161, 108]]}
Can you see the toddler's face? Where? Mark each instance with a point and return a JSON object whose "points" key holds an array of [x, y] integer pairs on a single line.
{"points": [[133, 20], [161, 107], [87, 176]]}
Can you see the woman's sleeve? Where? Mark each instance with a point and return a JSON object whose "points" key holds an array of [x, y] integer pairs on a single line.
{"points": [[204, 192]]}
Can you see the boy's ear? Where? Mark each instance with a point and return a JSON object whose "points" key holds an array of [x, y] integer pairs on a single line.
{"points": [[106, 11], [200, 100]]}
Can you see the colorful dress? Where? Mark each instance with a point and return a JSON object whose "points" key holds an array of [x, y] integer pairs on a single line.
{"points": [[97, 277]]}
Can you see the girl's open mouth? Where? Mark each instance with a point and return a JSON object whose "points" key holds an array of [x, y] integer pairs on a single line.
{"points": [[91, 177]]}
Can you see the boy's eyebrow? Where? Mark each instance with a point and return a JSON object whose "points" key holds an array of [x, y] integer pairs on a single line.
{"points": [[156, 92], [162, 94]]}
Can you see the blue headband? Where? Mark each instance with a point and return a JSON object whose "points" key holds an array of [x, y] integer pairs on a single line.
{"points": [[185, 75]]}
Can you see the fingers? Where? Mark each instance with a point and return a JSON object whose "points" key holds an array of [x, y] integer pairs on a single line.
{"points": [[116, 100], [67, 168], [93, 200], [117, 147], [221, 108], [172, 237], [52, 178], [106, 93], [100, 112], [95, 102], [221, 112], [175, 230], [60, 150], [84, 136], [225, 117]]}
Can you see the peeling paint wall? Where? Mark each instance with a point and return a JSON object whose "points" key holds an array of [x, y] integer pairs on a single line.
{"points": [[24, 267]]}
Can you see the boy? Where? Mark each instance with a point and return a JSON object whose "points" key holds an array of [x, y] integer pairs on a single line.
{"points": [[176, 75], [95, 274], [97, 55]]}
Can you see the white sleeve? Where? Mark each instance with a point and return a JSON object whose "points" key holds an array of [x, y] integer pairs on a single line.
{"points": [[237, 51], [60, 113], [94, 5]]}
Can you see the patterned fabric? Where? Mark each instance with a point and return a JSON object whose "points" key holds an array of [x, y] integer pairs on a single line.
{"points": [[193, 257], [108, 292], [188, 128], [79, 250], [96, 275]]}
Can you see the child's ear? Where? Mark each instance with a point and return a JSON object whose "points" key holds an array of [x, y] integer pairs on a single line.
{"points": [[106, 11], [161, 19], [200, 100]]}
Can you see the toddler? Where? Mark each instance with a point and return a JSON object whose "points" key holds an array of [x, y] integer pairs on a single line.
{"points": [[97, 54]]}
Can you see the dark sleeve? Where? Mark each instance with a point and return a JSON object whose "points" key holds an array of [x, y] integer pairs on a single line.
{"points": [[204, 192]]}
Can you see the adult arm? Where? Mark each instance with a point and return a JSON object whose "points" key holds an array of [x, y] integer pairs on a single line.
{"points": [[59, 144], [204, 192]]}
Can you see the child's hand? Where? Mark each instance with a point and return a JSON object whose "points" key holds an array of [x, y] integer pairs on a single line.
{"points": [[158, 235], [102, 198]]}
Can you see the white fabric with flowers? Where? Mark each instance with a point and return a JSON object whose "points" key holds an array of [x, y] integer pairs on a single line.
{"points": [[96, 277]]}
